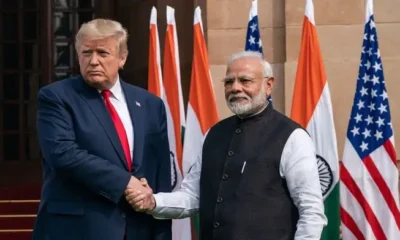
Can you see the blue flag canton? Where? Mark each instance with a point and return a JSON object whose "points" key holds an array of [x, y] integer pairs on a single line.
{"points": [[370, 123], [253, 39]]}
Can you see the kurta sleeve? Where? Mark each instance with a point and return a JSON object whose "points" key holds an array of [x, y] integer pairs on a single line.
{"points": [[299, 168], [183, 202]]}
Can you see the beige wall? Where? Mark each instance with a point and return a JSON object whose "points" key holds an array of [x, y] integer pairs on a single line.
{"points": [[340, 29]]}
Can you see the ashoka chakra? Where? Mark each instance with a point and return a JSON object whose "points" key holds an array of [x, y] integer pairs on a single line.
{"points": [[325, 175]]}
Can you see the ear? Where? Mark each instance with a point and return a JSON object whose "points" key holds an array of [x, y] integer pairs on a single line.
{"points": [[122, 60], [269, 85]]}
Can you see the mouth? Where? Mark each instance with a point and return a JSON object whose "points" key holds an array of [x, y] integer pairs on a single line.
{"points": [[238, 99], [95, 73]]}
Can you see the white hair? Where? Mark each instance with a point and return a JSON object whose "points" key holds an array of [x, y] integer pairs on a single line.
{"points": [[267, 69]]}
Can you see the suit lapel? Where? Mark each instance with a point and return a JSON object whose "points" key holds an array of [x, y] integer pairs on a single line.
{"points": [[136, 112], [96, 104]]}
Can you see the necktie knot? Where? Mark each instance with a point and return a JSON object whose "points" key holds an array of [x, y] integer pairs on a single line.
{"points": [[106, 94]]}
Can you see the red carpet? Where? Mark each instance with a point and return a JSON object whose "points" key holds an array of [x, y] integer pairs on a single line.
{"points": [[18, 208]]}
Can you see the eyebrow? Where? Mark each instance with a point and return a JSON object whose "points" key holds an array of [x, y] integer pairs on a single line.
{"points": [[96, 49]]}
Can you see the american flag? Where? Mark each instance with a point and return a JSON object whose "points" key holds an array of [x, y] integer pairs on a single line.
{"points": [[253, 38], [369, 175]]}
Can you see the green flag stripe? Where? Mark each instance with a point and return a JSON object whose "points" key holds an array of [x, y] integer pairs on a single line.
{"points": [[332, 212]]}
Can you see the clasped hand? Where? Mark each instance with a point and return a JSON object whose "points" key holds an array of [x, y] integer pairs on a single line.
{"points": [[139, 195]]}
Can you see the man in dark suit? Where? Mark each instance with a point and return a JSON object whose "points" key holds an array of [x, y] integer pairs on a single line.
{"points": [[98, 134]]}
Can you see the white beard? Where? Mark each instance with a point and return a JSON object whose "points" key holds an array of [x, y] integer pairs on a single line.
{"points": [[253, 105]]}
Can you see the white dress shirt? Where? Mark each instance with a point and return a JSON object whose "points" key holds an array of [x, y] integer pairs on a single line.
{"points": [[298, 167], [118, 100]]}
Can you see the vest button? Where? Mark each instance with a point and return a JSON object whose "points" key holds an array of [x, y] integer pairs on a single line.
{"points": [[219, 200], [225, 176], [230, 153], [238, 130], [216, 224]]}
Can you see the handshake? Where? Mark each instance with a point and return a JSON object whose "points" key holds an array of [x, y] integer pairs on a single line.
{"points": [[139, 195]]}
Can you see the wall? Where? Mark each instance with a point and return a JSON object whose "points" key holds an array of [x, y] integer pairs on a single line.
{"points": [[340, 29]]}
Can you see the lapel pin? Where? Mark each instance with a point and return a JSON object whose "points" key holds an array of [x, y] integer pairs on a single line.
{"points": [[137, 104]]}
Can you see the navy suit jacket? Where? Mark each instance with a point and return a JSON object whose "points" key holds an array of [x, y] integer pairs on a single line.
{"points": [[84, 168]]}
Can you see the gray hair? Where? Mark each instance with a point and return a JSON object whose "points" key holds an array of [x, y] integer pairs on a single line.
{"points": [[100, 29], [267, 69]]}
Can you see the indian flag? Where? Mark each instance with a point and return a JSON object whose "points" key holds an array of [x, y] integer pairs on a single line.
{"points": [[312, 109], [202, 109], [173, 101]]}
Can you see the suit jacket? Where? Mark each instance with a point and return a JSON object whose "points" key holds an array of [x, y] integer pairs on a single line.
{"points": [[84, 168]]}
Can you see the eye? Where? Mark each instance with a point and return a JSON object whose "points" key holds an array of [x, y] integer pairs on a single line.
{"points": [[86, 53], [103, 53], [228, 81], [245, 81]]}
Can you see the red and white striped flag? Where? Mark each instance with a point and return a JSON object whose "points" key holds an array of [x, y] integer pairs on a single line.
{"points": [[202, 109], [369, 176], [171, 95]]}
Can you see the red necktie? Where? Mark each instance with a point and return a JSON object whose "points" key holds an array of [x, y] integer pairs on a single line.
{"points": [[119, 127]]}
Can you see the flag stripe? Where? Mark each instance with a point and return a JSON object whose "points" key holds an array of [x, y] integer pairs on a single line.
{"points": [[154, 86], [201, 91], [306, 97], [331, 210], [351, 224], [383, 188], [391, 151], [369, 214], [171, 71]]}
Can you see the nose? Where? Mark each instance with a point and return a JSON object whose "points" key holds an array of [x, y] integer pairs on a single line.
{"points": [[94, 59], [236, 87]]}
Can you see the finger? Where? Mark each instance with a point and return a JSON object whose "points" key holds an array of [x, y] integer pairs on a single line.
{"points": [[136, 200], [138, 205], [133, 195], [144, 181], [128, 191]]}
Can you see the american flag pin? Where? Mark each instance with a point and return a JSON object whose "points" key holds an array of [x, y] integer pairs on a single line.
{"points": [[138, 104]]}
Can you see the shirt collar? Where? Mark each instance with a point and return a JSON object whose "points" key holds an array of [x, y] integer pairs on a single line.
{"points": [[116, 90]]}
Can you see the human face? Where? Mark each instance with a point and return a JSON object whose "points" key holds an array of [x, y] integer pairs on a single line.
{"points": [[246, 88], [99, 62]]}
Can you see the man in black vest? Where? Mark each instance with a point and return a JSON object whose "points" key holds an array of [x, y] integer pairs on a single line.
{"points": [[257, 176]]}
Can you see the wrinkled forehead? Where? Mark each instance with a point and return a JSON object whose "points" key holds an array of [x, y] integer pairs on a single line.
{"points": [[249, 66]]}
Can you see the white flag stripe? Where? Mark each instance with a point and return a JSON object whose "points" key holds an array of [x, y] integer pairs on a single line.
{"points": [[322, 122], [370, 191], [197, 18], [310, 11], [346, 232], [253, 10], [193, 140]]}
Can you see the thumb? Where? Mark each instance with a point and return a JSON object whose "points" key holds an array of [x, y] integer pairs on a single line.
{"points": [[143, 181]]}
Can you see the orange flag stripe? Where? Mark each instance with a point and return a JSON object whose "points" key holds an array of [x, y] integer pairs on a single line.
{"points": [[153, 73], [201, 96], [310, 77], [170, 79]]}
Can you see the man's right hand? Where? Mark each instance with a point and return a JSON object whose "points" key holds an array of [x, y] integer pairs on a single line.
{"points": [[141, 200]]}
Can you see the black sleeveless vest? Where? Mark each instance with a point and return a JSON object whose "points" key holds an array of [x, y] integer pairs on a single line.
{"points": [[242, 195]]}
